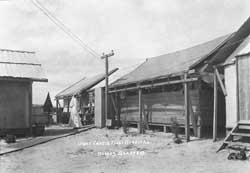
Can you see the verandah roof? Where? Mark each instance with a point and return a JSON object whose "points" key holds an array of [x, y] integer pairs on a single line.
{"points": [[83, 85]]}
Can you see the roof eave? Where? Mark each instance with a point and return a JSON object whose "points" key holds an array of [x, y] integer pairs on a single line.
{"points": [[23, 79], [61, 95], [40, 80], [155, 78], [204, 58], [244, 54]]}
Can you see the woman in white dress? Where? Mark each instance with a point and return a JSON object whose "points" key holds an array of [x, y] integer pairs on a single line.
{"points": [[74, 120]]}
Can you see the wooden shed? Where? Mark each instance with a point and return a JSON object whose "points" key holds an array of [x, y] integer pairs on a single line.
{"points": [[236, 82], [172, 86], [18, 70], [233, 61], [235, 70], [85, 95]]}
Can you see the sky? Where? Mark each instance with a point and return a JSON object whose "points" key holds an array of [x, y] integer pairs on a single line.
{"points": [[134, 29]]}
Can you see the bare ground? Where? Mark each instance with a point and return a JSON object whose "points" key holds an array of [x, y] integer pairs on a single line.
{"points": [[102, 150]]}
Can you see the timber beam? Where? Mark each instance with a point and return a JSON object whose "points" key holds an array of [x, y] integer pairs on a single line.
{"points": [[220, 82], [156, 85]]}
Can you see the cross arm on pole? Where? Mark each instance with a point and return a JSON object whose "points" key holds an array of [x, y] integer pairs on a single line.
{"points": [[107, 55]]}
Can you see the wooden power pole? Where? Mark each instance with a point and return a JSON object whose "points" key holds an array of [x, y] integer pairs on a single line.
{"points": [[106, 56]]}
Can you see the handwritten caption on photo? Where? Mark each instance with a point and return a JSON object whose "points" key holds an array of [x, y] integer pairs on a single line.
{"points": [[121, 153], [102, 143]]}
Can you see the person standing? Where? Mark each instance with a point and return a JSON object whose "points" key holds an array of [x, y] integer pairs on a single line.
{"points": [[74, 120]]}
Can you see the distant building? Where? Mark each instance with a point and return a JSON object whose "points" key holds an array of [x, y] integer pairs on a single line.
{"points": [[42, 114], [84, 89], [18, 70]]}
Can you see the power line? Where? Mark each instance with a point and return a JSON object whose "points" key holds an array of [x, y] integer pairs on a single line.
{"points": [[64, 28]]}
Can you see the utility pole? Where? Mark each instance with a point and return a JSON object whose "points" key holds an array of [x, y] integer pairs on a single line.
{"points": [[106, 56]]}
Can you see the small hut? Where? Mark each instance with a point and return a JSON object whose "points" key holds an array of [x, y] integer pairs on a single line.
{"points": [[42, 114], [18, 70], [48, 106], [84, 94]]}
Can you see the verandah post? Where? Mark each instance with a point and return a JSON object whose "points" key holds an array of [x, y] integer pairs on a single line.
{"points": [[140, 110], [57, 111], [119, 109], [68, 104], [215, 106], [186, 107], [30, 108]]}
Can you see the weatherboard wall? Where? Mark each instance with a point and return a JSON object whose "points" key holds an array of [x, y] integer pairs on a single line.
{"points": [[231, 98], [244, 87], [161, 107], [15, 105]]}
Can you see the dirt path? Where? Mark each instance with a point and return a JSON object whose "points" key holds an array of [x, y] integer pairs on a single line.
{"points": [[100, 150], [50, 135]]}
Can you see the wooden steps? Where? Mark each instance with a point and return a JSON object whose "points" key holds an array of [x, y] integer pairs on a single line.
{"points": [[246, 127], [241, 134], [242, 129]]}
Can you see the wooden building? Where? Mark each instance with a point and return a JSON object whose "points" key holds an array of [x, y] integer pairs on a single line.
{"points": [[236, 81], [232, 60], [42, 114], [172, 86], [85, 94], [243, 97], [18, 70], [39, 117], [221, 71]]}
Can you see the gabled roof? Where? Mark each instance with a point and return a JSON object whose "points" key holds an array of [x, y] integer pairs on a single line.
{"points": [[223, 54], [170, 64], [83, 85], [241, 50], [20, 64], [48, 106], [246, 49]]}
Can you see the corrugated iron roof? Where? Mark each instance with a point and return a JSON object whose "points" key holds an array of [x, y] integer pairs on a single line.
{"points": [[121, 72], [223, 55], [83, 85], [169, 64], [246, 49], [20, 64], [242, 49]]}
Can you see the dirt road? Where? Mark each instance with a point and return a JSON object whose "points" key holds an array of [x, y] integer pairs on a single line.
{"points": [[100, 150]]}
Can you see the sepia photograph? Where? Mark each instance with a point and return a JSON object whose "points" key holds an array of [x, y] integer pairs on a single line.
{"points": [[125, 86]]}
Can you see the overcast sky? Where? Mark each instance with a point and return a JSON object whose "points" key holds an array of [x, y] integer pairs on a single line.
{"points": [[134, 29]]}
